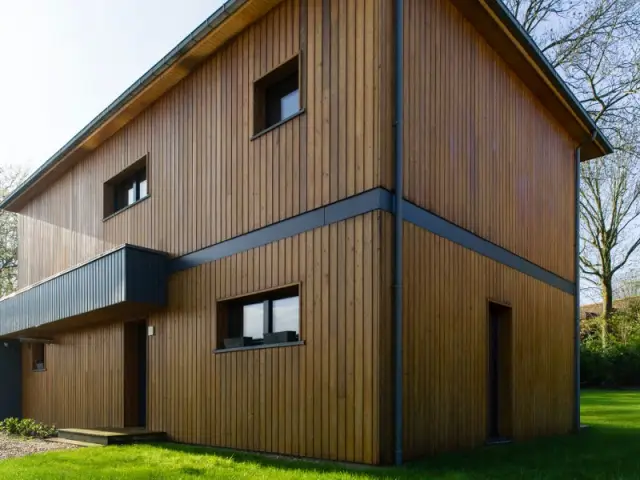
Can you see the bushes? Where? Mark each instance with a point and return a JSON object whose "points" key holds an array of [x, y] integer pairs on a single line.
{"points": [[26, 427], [618, 365], [610, 350]]}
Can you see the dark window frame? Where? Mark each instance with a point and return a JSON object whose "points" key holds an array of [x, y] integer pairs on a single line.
{"points": [[268, 92], [232, 313], [116, 189], [122, 187], [37, 358]]}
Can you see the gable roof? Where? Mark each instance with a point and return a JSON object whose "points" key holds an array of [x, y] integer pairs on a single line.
{"points": [[490, 17]]}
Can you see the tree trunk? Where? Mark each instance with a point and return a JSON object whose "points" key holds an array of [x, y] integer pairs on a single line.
{"points": [[607, 297], [607, 308]]}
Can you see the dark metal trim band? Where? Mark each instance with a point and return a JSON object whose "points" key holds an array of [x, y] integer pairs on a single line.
{"points": [[369, 201]]}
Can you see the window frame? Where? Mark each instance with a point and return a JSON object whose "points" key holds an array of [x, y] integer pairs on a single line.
{"points": [[231, 317], [135, 180], [118, 187], [270, 89], [35, 361]]}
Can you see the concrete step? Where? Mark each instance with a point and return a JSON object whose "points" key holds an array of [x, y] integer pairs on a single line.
{"points": [[111, 436], [76, 443]]}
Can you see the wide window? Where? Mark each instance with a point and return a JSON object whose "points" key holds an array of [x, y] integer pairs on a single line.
{"points": [[265, 319], [277, 96], [126, 188]]}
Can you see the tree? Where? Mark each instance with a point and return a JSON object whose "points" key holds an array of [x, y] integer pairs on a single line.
{"points": [[595, 45], [10, 178]]}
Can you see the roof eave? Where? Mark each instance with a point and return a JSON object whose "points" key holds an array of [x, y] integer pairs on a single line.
{"points": [[505, 34], [534, 51], [595, 144], [203, 30]]}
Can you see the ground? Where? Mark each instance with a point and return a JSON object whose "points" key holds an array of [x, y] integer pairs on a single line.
{"points": [[610, 449], [16, 447]]}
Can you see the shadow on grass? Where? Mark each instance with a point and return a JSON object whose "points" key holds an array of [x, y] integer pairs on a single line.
{"points": [[601, 452]]}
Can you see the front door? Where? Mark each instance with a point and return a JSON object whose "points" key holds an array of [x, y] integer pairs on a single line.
{"points": [[135, 374]]}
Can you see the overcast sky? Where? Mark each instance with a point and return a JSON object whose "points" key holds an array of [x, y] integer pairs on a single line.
{"points": [[63, 61]]}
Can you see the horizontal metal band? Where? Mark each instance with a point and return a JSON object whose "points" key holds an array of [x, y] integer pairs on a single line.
{"points": [[369, 201], [445, 229]]}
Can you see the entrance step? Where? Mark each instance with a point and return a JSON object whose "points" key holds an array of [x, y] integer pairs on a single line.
{"points": [[111, 436], [75, 443]]}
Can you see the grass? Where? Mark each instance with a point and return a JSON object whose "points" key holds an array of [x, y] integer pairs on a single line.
{"points": [[610, 449]]}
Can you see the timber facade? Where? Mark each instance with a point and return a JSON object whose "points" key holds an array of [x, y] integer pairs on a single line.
{"points": [[150, 241]]}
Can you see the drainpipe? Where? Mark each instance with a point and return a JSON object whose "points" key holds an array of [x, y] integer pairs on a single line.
{"points": [[576, 298], [397, 258]]}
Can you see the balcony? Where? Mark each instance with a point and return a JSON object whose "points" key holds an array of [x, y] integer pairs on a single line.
{"points": [[127, 281]]}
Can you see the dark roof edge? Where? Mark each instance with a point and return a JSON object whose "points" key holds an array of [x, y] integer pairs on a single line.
{"points": [[212, 22], [514, 27]]}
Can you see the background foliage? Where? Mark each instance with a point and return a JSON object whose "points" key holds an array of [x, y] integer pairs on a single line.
{"points": [[610, 350]]}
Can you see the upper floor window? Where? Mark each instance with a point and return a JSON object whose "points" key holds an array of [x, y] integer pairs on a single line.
{"points": [[37, 357], [262, 319], [277, 96], [126, 188]]}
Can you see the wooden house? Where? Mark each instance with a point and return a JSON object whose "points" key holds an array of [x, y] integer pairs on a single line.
{"points": [[338, 229]]}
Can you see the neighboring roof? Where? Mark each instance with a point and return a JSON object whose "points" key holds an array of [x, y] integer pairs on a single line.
{"points": [[595, 309], [490, 17]]}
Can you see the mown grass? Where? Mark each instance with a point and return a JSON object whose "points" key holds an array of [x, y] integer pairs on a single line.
{"points": [[610, 449]]}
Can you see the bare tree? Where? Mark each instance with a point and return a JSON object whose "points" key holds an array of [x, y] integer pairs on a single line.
{"points": [[595, 45], [627, 284], [10, 178], [609, 209]]}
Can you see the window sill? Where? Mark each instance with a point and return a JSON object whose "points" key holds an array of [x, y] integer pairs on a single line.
{"points": [[111, 215], [38, 370], [277, 125], [259, 347]]}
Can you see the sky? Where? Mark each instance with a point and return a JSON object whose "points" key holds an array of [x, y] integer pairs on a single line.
{"points": [[64, 61]]}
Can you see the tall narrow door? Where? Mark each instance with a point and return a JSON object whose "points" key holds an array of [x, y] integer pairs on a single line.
{"points": [[500, 368], [135, 374]]}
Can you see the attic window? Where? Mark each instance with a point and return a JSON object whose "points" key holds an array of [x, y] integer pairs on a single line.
{"points": [[37, 357], [127, 188], [277, 96]]}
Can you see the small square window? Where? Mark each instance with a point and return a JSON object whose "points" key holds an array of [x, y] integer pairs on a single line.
{"points": [[37, 357], [126, 188], [277, 96], [261, 319]]}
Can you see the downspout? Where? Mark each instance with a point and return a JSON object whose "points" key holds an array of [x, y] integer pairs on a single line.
{"points": [[397, 258], [576, 297]]}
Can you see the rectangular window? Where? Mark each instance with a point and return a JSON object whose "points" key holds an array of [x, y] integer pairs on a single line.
{"points": [[126, 188], [263, 319], [37, 357], [277, 96]]}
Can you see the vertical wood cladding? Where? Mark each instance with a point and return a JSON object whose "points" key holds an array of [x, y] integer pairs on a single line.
{"points": [[480, 150], [446, 293], [320, 399], [207, 179], [83, 382]]}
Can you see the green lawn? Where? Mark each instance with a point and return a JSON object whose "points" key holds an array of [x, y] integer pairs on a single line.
{"points": [[610, 449]]}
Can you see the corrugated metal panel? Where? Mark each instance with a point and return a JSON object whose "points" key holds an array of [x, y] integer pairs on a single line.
{"points": [[10, 379], [125, 274], [146, 276]]}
